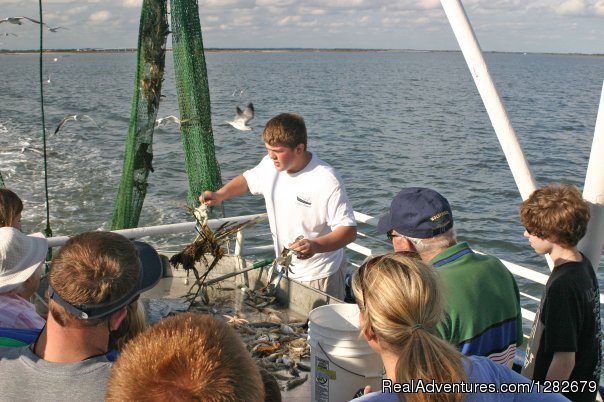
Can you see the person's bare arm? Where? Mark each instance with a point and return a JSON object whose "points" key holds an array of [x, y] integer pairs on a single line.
{"points": [[233, 188], [335, 240], [561, 366]]}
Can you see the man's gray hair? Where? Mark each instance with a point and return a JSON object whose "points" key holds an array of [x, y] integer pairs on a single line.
{"points": [[439, 242]]}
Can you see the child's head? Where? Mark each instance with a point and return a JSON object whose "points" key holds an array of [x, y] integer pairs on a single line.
{"points": [[186, 357], [286, 129], [11, 207], [557, 213]]}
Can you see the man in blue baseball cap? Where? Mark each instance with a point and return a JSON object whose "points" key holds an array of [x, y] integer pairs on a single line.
{"points": [[91, 281], [482, 301]]}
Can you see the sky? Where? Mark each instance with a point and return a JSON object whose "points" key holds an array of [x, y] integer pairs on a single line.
{"points": [[559, 26]]}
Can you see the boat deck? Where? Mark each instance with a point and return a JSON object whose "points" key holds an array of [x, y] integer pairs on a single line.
{"points": [[226, 299]]}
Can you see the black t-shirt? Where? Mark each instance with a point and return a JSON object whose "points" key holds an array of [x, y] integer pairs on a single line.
{"points": [[568, 321]]}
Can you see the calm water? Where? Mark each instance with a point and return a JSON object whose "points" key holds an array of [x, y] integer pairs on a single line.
{"points": [[384, 120]]}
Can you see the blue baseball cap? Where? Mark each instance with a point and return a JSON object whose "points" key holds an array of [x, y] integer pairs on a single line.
{"points": [[417, 212]]}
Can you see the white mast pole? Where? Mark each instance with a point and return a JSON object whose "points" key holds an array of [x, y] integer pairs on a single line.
{"points": [[495, 109], [593, 192]]}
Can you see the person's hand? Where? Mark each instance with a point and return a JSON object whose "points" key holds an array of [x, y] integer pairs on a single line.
{"points": [[367, 390], [210, 198], [304, 248]]}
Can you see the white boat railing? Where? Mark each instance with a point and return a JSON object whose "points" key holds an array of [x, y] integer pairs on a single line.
{"points": [[517, 270]]}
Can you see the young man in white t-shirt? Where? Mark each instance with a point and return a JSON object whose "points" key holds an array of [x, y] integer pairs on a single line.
{"points": [[304, 196]]}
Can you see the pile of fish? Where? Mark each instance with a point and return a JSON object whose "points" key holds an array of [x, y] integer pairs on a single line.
{"points": [[277, 346]]}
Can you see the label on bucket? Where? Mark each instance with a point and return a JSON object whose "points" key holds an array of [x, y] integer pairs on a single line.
{"points": [[322, 376]]}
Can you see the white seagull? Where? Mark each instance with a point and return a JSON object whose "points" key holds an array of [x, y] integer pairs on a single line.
{"points": [[17, 20], [51, 29], [242, 117], [75, 117], [168, 119]]}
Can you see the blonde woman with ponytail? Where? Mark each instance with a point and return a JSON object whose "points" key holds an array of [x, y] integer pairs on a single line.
{"points": [[401, 303]]}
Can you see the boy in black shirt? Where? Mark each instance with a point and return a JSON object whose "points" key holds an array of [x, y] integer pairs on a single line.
{"points": [[564, 351]]}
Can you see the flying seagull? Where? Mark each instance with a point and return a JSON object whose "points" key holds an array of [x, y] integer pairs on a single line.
{"points": [[51, 29], [75, 117], [242, 117], [17, 20], [168, 119]]}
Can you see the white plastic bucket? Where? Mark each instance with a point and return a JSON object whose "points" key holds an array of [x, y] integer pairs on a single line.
{"points": [[341, 360]]}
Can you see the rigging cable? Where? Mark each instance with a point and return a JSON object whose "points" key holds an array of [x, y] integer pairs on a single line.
{"points": [[48, 230]]}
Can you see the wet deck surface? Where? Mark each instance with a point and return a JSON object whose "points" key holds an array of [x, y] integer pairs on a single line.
{"points": [[300, 394]]}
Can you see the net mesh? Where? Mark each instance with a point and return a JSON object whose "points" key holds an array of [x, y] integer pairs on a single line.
{"points": [[203, 171], [138, 157]]}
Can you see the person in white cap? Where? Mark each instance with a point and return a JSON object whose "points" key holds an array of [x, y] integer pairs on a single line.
{"points": [[21, 259]]}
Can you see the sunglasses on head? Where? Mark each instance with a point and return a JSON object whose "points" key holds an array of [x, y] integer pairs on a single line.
{"points": [[367, 265]]}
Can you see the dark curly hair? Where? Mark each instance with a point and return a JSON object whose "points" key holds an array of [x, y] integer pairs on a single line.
{"points": [[557, 213]]}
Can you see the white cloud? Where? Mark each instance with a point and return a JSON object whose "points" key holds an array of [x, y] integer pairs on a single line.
{"points": [[428, 4], [571, 7], [499, 24], [276, 3], [314, 11], [226, 4], [421, 21], [76, 10], [100, 16], [308, 24], [132, 3], [289, 20]]}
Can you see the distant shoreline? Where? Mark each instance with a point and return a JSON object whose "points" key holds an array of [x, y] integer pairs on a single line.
{"points": [[282, 50]]}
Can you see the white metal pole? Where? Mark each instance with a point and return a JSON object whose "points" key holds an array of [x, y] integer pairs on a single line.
{"points": [[497, 113], [593, 192]]}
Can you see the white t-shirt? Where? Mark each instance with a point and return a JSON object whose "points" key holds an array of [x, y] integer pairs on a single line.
{"points": [[311, 202]]}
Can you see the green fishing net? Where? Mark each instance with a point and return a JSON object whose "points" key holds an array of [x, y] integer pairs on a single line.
{"points": [[193, 93], [138, 157]]}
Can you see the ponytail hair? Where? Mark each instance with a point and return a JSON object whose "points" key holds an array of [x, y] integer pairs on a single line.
{"points": [[401, 301]]}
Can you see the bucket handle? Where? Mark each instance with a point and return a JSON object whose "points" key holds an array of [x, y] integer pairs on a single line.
{"points": [[337, 365]]}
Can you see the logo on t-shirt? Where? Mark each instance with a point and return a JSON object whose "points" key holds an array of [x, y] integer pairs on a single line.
{"points": [[303, 200]]}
